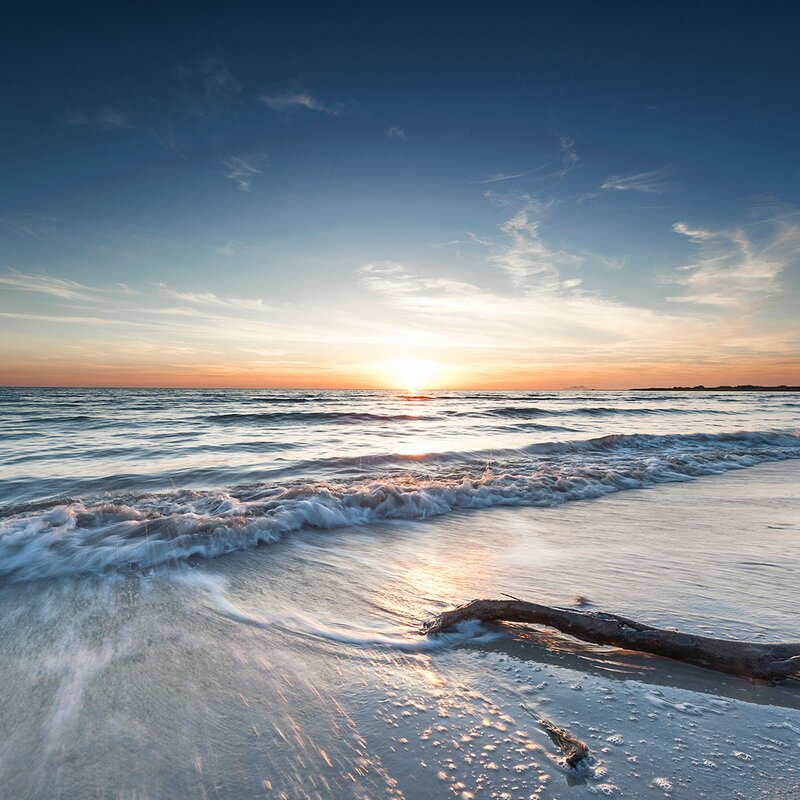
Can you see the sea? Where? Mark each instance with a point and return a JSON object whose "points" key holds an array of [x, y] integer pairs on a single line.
{"points": [[219, 593]]}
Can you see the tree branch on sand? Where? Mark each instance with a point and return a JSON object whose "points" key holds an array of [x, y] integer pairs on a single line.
{"points": [[771, 662], [573, 749]]}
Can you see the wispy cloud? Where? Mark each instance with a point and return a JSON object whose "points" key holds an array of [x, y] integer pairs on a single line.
{"points": [[540, 324], [738, 267], [29, 226], [569, 154], [80, 320], [49, 285], [551, 174], [551, 318], [211, 299], [192, 318], [543, 321], [519, 304], [695, 234], [651, 182], [243, 170], [606, 262], [397, 133], [520, 251], [508, 177], [391, 277], [293, 101], [229, 249]]}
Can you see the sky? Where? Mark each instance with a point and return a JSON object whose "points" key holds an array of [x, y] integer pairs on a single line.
{"points": [[507, 195]]}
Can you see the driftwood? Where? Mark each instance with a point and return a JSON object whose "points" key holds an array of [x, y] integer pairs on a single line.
{"points": [[772, 662], [574, 750]]}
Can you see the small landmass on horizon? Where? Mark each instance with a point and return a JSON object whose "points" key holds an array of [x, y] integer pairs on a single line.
{"points": [[745, 387]]}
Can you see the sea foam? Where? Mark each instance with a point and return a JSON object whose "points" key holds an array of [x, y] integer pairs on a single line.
{"points": [[93, 535]]}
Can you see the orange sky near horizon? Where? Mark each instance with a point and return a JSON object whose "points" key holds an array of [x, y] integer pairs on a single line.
{"points": [[448, 377], [519, 323], [506, 216]]}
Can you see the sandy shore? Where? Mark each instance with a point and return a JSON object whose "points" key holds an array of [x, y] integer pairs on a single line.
{"points": [[294, 670]]}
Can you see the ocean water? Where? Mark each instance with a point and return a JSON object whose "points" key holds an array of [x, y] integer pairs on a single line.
{"points": [[92, 480], [218, 594]]}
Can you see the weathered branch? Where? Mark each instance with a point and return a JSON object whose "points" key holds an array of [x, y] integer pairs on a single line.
{"points": [[574, 750], [773, 662]]}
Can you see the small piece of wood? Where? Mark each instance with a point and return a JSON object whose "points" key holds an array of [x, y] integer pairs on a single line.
{"points": [[772, 662], [574, 750]]}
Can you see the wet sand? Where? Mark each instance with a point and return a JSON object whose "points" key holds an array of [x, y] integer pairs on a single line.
{"points": [[295, 670]]}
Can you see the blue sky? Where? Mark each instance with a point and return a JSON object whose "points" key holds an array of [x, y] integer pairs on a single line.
{"points": [[526, 195]]}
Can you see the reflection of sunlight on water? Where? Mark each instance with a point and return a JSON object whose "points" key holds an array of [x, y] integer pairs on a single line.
{"points": [[412, 444], [417, 446], [440, 580], [433, 578], [423, 672]]}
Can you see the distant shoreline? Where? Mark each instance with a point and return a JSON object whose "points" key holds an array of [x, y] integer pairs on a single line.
{"points": [[740, 388]]}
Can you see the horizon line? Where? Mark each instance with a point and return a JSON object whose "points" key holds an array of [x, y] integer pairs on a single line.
{"points": [[697, 386]]}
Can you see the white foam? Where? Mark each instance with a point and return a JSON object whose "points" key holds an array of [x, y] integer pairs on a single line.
{"points": [[146, 531]]}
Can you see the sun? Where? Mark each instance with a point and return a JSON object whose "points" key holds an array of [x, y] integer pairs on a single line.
{"points": [[412, 374]]}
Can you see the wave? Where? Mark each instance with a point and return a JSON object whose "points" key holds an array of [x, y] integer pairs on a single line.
{"points": [[522, 412], [49, 417], [149, 530], [471, 397], [501, 395], [280, 399], [312, 416], [759, 441], [513, 412]]}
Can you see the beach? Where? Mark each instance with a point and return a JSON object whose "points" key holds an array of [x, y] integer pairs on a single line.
{"points": [[400, 402], [292, 664]]}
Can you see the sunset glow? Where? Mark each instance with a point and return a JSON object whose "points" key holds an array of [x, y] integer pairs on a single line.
{"points": [[340, 340], [199, 218], [413, 375]]}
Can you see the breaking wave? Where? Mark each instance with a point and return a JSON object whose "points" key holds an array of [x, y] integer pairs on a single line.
{"points": [[93, 535]]}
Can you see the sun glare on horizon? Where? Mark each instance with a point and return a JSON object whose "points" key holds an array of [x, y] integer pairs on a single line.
{"points": [[411, 374]]}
